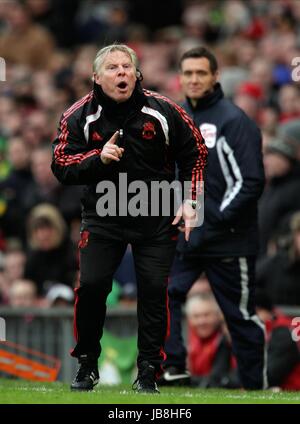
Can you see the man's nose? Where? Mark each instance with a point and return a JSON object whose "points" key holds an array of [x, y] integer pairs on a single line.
{"points": [[194, 78], [121, 70]]}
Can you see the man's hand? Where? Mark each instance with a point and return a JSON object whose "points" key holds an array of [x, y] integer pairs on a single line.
{"points": [[111, 151], [189, 217]]}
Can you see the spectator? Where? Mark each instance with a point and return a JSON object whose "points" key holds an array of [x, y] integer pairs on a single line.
{"points": [[51, 258], [60, 295], [283, 351], [281, 195], [232, 74], [279, 274], [13, 187], [290, 132], [25, 42], [268, 121], [35, 129], [261, 76], [249, 97], [289, 102], [13, 269], [58, 17], [10, 118], [22, 293], [209, 351], [46, 189]]}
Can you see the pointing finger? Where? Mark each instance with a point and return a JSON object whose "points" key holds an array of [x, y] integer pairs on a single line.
{"points": [[187, 233], [114, 138]]}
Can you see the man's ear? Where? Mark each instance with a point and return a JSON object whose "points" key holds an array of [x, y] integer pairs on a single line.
{"points": [[96, 78], [217, 76]]}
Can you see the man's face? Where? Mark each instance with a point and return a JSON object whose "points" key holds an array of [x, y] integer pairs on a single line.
{"points": [[41, 167], [276, 165], [45, 238], [196, 77], [204, 318], [117, 76]]}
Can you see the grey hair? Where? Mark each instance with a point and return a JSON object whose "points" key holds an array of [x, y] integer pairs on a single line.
{"points": [[102, 54], [201, 297]]}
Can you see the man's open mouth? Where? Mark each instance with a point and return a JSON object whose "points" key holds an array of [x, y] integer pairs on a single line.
{"points": [[122, 85]]}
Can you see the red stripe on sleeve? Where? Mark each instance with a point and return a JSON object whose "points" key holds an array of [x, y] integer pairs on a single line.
{"points": [[197, 174], [60, 157]]}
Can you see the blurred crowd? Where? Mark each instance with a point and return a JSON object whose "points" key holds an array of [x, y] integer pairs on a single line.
{"points": [[49, 47]]}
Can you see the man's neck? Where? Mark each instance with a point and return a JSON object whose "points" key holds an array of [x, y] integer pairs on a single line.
{"points": [[207, 99], [194, 102]]}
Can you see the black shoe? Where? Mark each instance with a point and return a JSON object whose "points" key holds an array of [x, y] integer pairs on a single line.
{"points": [[174, 376], [87, 376], [146, 380]]}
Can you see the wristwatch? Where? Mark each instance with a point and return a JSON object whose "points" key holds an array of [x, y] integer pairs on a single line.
{"points": [[192, 203]]}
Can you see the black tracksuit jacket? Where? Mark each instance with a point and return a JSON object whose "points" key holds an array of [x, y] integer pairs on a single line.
{"points": [[157, 133], [234, 179]]}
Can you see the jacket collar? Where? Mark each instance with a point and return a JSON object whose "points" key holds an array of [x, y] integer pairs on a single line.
{"points": [[135, 102], [209, 99]]}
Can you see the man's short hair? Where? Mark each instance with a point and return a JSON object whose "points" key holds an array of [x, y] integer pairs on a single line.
{"points": [[202, 298], [197, 53], [102, 54]]}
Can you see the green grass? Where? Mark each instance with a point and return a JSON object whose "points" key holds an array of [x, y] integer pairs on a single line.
{"points": [[22, 392]]}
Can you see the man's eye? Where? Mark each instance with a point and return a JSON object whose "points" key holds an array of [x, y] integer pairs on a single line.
{"points": [[127, 66]]}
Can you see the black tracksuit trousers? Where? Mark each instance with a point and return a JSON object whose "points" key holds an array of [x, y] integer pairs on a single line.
{"points": [[153, 242], [232, 280]]}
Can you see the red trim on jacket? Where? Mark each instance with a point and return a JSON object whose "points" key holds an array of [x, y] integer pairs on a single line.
{"points": [[197, 174], [162, 352], [67, 160]]}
